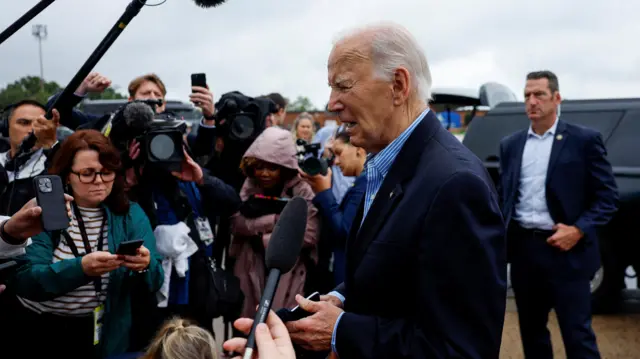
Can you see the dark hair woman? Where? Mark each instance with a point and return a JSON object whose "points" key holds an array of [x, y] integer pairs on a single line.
{"points": [[76, 289]]}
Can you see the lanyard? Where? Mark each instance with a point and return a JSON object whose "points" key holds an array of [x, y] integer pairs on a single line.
{"points": [[97, 282], [193, 197]]}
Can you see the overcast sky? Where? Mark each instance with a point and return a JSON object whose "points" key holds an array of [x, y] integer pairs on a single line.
{"points": [[260, 46]]}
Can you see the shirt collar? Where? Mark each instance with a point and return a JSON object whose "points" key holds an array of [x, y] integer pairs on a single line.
{"points": [[551, 131], [383, 160]]}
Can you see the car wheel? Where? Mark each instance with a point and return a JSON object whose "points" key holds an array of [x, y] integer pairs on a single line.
{"points": [[607, 283]]}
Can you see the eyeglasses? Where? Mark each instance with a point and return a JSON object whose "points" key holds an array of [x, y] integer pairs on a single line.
{"points": [[89, 176]]}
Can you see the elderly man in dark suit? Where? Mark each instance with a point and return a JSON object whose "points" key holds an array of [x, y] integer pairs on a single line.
{"points": [[557, 189], [426, 258]]}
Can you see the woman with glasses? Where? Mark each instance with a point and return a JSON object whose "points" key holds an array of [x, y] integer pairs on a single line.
{"points": [[76, 289]]}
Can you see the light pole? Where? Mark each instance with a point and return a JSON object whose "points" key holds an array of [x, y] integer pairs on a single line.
{"points": [[40, 33]]}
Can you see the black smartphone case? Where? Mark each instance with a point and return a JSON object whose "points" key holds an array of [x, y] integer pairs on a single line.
{"points": [[199, 80], [50, 196]]}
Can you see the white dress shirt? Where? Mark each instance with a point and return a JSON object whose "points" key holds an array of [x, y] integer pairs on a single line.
{"points": [[531, 210]]}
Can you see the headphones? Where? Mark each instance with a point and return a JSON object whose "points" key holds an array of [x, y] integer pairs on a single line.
{"points": [[4, 120]]}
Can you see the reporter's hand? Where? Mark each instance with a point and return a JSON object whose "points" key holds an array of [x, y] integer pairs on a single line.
{"points": [[2, 288], [203, 98], [46, 130], [318, 183], [96, 264], [333, 300], [93, 83], [27, 222], [272, 339], [191, 171], [138, 262]]}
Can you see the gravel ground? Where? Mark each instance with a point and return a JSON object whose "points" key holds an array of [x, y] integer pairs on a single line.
{"points": [[618, 336]]}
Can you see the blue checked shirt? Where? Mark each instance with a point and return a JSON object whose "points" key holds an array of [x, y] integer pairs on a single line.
{"points": [[376, 170]]}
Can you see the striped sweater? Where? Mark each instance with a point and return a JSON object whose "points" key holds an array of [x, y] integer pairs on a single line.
{"points": [[82, 300]]}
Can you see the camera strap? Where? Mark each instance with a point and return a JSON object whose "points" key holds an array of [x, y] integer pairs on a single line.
{"points": [[97, 282]]}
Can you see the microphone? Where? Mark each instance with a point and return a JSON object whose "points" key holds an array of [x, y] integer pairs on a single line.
{"points": [[281, 255], [208, 3], [131, 11], [138, 115]]}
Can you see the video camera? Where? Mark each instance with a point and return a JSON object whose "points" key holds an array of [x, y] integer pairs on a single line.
{"points": [[160, 135], [309, 159], [242, 118]]}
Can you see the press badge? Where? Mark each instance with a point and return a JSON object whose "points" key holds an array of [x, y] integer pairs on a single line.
{"points": [[204, 230], [98, 313]]}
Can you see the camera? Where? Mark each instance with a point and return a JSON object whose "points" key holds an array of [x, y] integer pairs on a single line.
{"points": [[160, 135], [242, 118], [309, 160]]}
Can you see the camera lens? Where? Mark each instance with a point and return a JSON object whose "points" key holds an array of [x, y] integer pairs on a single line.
{"points": [[162, 147]]}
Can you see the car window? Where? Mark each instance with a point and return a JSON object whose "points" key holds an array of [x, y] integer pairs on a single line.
{"points": [[623, 144], [484, 133]]}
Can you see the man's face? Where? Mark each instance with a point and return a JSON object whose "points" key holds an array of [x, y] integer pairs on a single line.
{"points": [[540, 103], [21, 123], [363, 103], [150, 91]]}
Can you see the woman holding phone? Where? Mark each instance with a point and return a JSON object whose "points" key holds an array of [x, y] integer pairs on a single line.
{"points": [[76, 290]]}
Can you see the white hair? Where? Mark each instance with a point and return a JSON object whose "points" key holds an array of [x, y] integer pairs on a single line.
{"points": [[392, 46]]}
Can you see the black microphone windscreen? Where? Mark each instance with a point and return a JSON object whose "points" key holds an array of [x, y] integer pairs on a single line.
{"points": [[286, 239], [208, 3], [138, 115]]}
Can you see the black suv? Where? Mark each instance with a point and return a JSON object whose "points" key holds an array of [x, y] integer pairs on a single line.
{"points": [[618, 120]]}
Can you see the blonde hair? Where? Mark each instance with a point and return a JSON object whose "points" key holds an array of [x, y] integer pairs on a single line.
{"points": [[135, 84], [181, 339], [302, 116]]}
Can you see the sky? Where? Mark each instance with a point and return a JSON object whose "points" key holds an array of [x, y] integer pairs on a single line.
{"points": [[263, 46]]}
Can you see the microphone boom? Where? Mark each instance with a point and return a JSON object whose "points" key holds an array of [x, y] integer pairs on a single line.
{"points": [[24, 19]]}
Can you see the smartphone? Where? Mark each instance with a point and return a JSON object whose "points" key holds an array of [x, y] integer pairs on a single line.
{"points": [[199, 80], [129, 248], [297, 313], [50, 197]]}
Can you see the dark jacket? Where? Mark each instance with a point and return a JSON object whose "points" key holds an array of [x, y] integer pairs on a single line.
{"points": [[580, 187], [426, 271]]}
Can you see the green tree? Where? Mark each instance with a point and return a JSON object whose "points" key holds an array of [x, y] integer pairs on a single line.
{"points": [[29, 87], [110, 93], [301, 104]]}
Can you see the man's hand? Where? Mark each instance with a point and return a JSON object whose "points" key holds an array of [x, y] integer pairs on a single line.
{"points": [[3, 287], [27, 221], [314, 332], [565, 237], [318, 182], [96, 264], [272, 339], [139, 262], [191, 171], [94, 83], [46, 130], [203, 98], [333, 300]]}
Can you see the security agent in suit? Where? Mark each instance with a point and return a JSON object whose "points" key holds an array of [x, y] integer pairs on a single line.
{"points": [[426, 266], [557, 189]]}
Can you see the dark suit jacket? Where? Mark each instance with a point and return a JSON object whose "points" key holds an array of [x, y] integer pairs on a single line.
{"points": [[580, 187], [426, 273]]}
